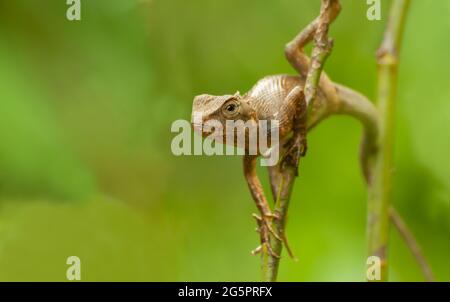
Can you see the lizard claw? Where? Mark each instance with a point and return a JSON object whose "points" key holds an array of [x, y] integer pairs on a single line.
{"points": [[264, 229], [257, 250], [260, 248], [266, 222]]}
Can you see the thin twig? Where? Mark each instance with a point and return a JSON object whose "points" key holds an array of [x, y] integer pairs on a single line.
{"points": [[412, 244], [286, 175], [282, 195], [322, 49]]}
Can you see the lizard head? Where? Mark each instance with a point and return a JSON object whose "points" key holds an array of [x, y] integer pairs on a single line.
{"points": [[207, 108]]}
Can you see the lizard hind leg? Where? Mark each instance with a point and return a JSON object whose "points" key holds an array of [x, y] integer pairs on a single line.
{"points": [[299, 60], [294, 50]]}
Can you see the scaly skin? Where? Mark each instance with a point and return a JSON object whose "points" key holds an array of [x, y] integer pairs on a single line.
{"points": [[277, 97]]}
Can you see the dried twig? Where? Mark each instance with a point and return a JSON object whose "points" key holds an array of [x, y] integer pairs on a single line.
{"points": [[283, 178]]}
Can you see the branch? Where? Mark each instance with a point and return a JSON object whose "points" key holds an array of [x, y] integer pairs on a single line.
{"points": [[283, 178], [380, 180], [282, 181], [352, 103], [322, 49]]}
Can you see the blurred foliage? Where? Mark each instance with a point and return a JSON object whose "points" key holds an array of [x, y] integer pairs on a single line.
{"points": [[85, 161]]}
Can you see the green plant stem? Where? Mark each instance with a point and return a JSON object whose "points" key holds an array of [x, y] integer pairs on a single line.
{"points": [[380, 181]]}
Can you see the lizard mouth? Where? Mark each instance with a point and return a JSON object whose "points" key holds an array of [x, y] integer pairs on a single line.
{"points": [[197, 127]]}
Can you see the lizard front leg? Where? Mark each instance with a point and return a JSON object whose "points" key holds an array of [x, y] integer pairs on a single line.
{"points": [[296, 145], [265, 220]]}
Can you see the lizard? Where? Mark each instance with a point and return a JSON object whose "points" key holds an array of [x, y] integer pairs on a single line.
{"points": [[277, 97], [273, 97], [282, 98]]}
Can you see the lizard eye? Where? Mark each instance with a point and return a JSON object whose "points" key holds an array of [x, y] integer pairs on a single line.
{"points": [[231, 108]]}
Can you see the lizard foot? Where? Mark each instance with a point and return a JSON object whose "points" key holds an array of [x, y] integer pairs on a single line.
{"points": [[295, 148], [265, 225], [265, 229]]}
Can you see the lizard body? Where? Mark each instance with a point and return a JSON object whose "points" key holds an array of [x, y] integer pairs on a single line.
{"points": [[270, 99], [278, 97]]}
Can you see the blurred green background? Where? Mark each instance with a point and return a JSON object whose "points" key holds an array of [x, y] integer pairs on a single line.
{"points": [[85, 162]]}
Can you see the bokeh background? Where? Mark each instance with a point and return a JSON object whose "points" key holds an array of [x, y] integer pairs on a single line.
{"points": [[85, 162]]}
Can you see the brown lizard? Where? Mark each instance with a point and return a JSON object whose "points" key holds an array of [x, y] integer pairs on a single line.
{"points": [[281, 98], [277, 97]]}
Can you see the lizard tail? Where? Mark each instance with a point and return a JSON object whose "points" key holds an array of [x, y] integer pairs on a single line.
{"points": [[357, 105]]}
